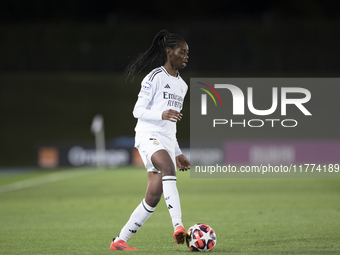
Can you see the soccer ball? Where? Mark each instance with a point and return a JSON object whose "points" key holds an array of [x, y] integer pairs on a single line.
{"points": [[201, 237]]}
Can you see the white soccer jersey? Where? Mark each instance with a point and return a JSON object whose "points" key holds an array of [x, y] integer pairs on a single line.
{"points": [[159, 92]]}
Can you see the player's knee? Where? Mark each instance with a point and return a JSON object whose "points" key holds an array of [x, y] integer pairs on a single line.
{"points": [[168, 171]]}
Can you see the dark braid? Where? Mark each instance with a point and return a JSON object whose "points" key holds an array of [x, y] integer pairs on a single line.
{"points": [[157, 52]]}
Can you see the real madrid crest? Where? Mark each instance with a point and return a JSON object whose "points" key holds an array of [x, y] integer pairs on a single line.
{"points": [[155, 142]]}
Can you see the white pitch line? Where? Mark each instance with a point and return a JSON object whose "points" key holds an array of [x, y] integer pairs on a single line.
{"points": [[53, 177]]}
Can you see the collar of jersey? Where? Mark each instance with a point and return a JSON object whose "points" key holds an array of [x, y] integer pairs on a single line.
{"points": [[164, 70]]}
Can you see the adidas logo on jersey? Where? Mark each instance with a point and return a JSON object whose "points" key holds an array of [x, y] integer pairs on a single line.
{"points": [[167, 86]]}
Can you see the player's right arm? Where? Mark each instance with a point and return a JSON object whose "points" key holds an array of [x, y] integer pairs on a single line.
{"points": [[172, 115], [141, 112], [146, 94]]}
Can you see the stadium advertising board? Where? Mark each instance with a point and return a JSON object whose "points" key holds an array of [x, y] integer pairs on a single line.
{"points": [[81, 155]]}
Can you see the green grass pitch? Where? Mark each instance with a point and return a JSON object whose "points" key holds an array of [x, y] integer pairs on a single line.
{"points": [[79, 211]]}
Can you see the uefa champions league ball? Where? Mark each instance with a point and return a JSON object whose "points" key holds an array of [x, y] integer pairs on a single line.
{"points": [[201, 237]]}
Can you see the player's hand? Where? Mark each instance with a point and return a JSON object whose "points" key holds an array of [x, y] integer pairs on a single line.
{"points": [[182, 163], [172, 115]]}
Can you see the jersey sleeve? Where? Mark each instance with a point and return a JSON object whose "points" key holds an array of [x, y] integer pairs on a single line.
{"points": [[148, 88], [145, 96], [141, 112]]}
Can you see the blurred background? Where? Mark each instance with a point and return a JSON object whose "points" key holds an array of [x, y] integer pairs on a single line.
{"points": [[62, 63]]}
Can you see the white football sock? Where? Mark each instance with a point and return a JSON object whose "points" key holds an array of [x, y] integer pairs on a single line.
{"points": [[137, 219], [171, 197]]}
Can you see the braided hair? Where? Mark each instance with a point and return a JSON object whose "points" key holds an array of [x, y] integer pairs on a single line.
{"points": [[157, 52]]}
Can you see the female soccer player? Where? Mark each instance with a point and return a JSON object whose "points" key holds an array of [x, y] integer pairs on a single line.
{"points": [[157, 109]]}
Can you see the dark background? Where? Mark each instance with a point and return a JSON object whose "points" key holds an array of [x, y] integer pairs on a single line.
{"points": [[62, 62]]}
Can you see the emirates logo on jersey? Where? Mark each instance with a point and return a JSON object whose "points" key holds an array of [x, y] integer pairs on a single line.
{"points": [[173, 96], [173, 100]]}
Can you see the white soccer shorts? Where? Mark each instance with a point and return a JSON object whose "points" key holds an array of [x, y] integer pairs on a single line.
{"points": [[149, 144]]}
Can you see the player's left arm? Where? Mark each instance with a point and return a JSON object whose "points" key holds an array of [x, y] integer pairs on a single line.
{"points": [[182, 162]]}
